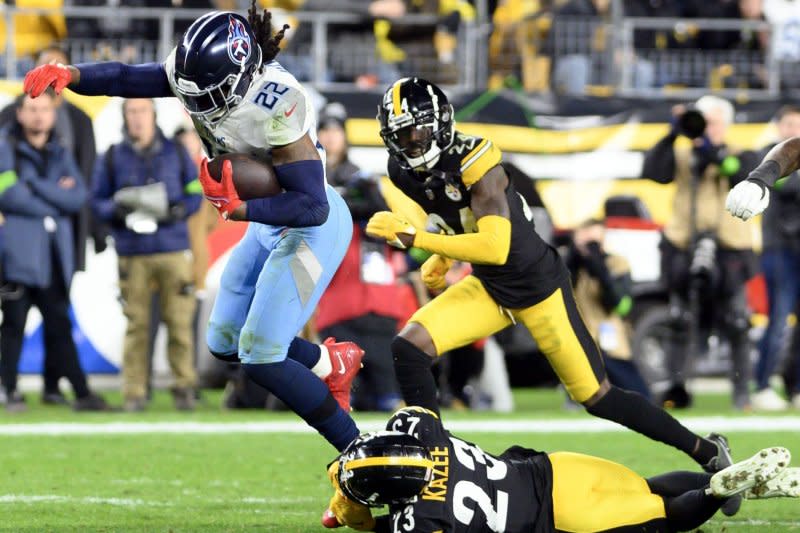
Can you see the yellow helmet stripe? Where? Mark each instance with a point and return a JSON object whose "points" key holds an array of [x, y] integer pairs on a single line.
{"points": [[396, 97], [388, 461]]}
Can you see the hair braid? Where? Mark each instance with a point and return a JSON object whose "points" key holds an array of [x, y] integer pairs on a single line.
{"points": [[262, 29]]}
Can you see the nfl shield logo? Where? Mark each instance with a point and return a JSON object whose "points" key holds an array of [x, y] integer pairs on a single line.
{"points": [[238, 41], [452, 192]]}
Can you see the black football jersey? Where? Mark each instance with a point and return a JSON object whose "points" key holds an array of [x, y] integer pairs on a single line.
{"points": [[533, 269], [473, 491]]}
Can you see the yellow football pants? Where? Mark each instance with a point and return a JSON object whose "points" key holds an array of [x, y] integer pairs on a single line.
{"points": [[592, 494], [465, 312]]}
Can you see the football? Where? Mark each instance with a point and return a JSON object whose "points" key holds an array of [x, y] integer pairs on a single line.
{"points": [[251, 177]]}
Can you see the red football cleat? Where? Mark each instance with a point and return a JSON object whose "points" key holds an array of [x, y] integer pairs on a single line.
{"points": [[329, 520], [345, 364]]}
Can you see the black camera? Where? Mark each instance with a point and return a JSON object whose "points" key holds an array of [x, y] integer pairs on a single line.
{"points": [[692, 123]]}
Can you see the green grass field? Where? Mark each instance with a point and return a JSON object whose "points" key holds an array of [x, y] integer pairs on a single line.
{"points": [[162, 475]]}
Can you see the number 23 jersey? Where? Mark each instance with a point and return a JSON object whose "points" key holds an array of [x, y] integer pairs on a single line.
{"points": [[473, 491]]}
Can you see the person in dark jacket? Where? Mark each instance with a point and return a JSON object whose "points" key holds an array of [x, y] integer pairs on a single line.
{"points": [[146, 187], [366, 280], [780, 262], [40, 189], [75, 133]]}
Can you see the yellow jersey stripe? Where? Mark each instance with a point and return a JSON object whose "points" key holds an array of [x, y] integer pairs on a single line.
{"points": [[480, 164], [388, 461], [396, 98], [465, 162]]}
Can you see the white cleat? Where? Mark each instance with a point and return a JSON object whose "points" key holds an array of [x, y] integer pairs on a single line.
{"points": [[784, 485], [759, 469]]}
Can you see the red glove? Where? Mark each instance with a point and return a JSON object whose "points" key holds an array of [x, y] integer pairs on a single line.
{"points": [[52, 75], [222, 194]]}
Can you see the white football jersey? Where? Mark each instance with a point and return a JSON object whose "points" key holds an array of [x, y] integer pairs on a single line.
{"points": [[275, 111]]}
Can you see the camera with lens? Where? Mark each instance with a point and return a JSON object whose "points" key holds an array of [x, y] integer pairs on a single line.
{"points": [[691, 123]]}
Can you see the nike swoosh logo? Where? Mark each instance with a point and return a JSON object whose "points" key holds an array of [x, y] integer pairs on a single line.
{"points": [[216, 204], [339, 357], [288, 114]]}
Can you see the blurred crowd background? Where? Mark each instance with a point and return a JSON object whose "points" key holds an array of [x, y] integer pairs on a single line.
{"points": [[670, 289]]}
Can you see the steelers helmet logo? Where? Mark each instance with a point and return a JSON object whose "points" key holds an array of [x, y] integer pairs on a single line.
{"points": [[452, 192]]}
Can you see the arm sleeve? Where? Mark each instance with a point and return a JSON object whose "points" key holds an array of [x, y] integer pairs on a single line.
{"points": [[18, 199], [659, 161], [304, 202], [148, 80], [489, 246], [102, 190]]}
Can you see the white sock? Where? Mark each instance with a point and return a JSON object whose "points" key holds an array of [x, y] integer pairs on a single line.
{"points": [[323, 368]]}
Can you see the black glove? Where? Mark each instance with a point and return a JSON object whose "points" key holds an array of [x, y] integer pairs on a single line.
{"points": [[176, 213], [120, 212]]}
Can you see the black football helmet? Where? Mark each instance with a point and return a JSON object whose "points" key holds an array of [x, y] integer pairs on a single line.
{"points": [[384, 468], [417, 123], [215, 62]]}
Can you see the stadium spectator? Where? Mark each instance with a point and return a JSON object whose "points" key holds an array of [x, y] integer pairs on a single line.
{"points": [[738, 54], [200, 225], [602, 284], [518, 29], [363, 302], [41, 188], [784, 15], [33, 32], [705, 252], [780, 262], [75, 132], [145, 187], [580, 46]]}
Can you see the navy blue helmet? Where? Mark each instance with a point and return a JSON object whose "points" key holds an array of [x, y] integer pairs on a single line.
{"points": [[215, 63]]}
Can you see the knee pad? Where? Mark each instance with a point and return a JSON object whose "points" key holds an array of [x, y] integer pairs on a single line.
{"points": [[226, 357]]}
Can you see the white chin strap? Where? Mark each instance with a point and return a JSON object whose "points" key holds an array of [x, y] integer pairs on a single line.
{"points": [[426, 160]]}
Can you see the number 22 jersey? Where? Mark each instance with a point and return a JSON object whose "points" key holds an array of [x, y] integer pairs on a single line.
{"points": [[473, 491]]}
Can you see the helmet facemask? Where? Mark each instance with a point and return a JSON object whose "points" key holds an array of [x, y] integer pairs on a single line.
{"points": [[384, 468], [212, 104], [417, 140]]}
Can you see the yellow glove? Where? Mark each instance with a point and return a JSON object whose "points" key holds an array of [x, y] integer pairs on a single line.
{"points": [[347, 512], [386, 225], [433, 271]]}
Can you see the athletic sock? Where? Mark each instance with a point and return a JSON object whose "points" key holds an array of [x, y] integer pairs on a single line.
{"points": [[307, 396], [691, 509], [634, 411], [413, 369], [677, 483], [304, 352]]}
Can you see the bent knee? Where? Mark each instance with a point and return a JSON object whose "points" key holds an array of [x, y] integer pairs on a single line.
{"points": [[417, 335]]}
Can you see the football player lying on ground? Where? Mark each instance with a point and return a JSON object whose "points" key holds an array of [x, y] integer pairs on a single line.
{"points": [[474, 214], [434, 482], [241, 99], [750, 197]]}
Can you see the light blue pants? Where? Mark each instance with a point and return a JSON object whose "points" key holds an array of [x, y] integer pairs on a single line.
{"points": [[272, 282]]}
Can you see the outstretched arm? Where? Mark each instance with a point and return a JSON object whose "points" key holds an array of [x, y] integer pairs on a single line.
{"points": [[148, 80], [781, 161], [488, 246], [751, 196]]}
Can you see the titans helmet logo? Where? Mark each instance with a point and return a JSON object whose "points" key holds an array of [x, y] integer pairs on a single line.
{"points": [[239, 45]]}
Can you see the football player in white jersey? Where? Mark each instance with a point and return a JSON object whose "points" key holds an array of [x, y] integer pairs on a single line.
{"points": [[242, 100]]}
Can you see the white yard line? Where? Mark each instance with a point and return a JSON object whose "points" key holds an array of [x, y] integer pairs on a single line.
{"points": [[749, 424]]}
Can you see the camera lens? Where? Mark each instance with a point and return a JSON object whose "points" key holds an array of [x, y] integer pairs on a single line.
{"points": [[692, 124]]}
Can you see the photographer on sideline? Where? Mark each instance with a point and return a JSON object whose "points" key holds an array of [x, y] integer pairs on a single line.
{"points": [[706, 255]]}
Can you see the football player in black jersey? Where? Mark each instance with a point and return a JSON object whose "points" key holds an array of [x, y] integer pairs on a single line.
{"points": [[434, 482], [453, 199]]}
